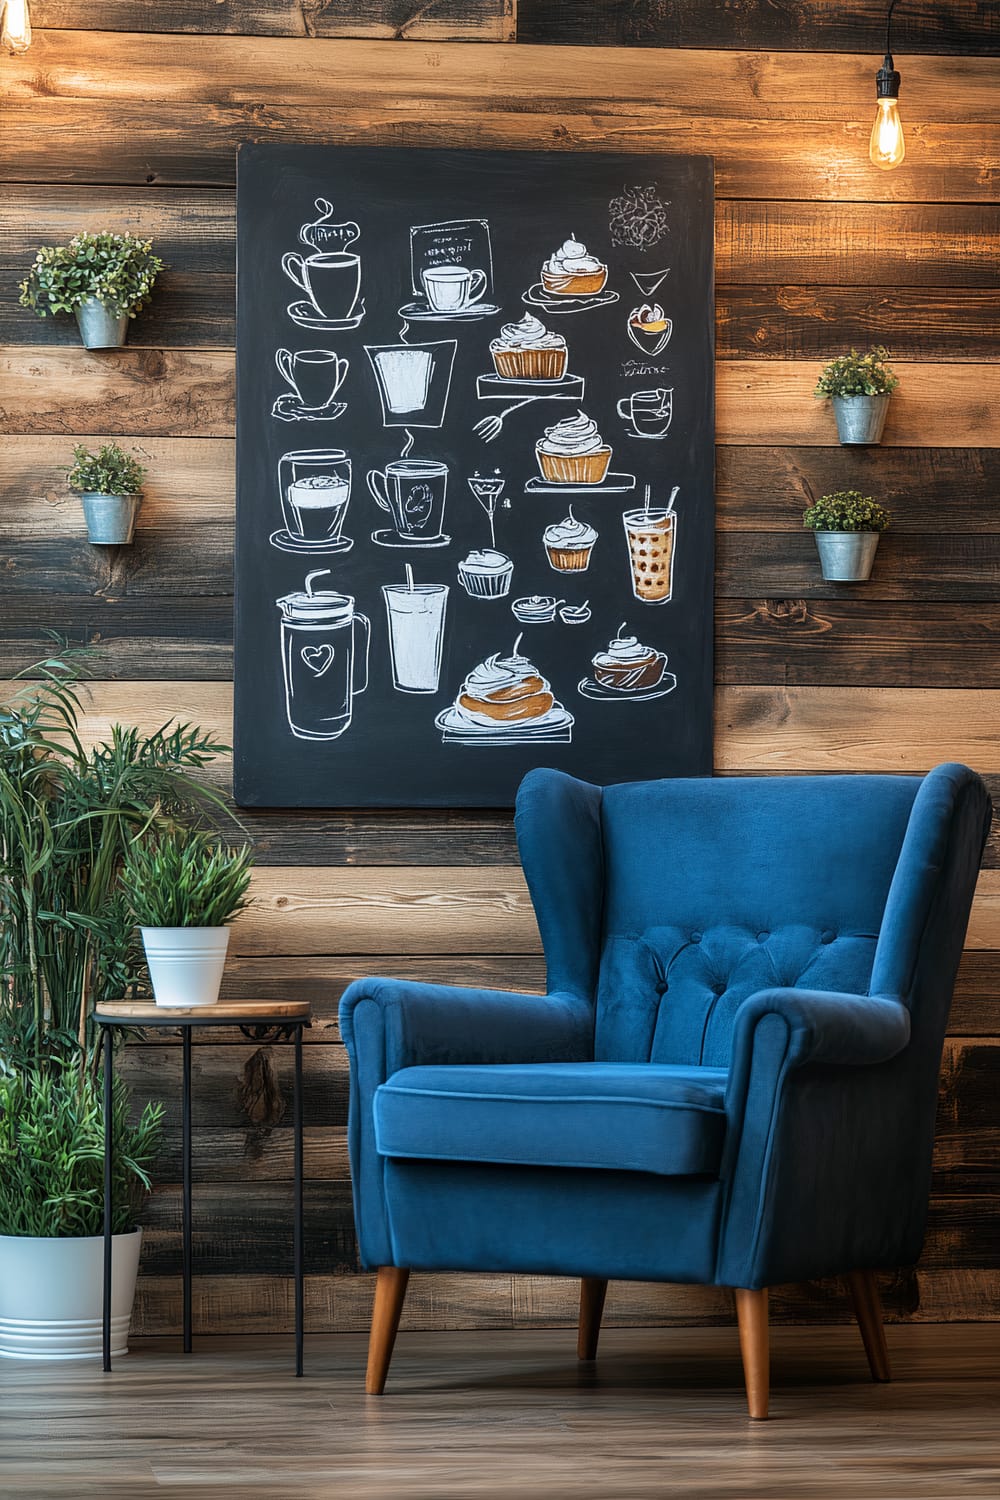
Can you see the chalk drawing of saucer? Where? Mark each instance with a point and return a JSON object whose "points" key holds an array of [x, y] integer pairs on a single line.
{"points": [[612, 484], [388, 538], [285, 542], [537, 296], [422, 312], [555, 726], [306, 316], [289, 408], [588, 688]]}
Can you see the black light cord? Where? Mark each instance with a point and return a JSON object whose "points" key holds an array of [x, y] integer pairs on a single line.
{"points": [[888, 29]]}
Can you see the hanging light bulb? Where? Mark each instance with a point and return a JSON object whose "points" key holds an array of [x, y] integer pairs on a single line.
{"points": [[887, 147], [15, 35]]}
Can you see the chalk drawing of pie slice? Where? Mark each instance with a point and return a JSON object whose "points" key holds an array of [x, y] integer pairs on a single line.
{"points": [[649, 328]]}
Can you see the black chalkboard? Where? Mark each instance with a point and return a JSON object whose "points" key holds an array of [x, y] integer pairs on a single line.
{"points": [[421, 486]]}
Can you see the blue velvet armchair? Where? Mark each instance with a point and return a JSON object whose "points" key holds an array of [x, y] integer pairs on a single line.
{"points": [[732, 1078]]}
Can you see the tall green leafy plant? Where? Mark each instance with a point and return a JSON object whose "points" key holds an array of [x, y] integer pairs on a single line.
{"points": [[68, 813]]}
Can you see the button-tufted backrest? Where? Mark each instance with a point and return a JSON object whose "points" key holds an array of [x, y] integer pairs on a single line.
{"points": [[714, 889]]}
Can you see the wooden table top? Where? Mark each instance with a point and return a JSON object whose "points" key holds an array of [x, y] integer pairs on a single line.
{"points": [[225, 1013]]}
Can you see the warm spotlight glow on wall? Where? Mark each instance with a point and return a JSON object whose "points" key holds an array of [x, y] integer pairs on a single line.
{"points": [[887, 147], [15, 35]]}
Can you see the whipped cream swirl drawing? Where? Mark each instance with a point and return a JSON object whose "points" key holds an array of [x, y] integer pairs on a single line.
{"points": [[499, 672], [569, 533], [529, 333], [487, 561], [571, 259], [624, 650], [572, 436]]}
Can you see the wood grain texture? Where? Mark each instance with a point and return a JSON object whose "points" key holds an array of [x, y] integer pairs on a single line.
{"points": [[968, 26], [393, 20], [66, 140], [951, 566], [256, 1304], [761, 728], [190, 393], [314, 72]]}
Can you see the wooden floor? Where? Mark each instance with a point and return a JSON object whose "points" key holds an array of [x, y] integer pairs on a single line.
{"points": [[491, 1414]]}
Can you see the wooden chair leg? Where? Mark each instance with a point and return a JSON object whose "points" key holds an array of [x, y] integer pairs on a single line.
{"points": [[592, 1294], [390, 1289], [751, 1314], [868, 1311]]}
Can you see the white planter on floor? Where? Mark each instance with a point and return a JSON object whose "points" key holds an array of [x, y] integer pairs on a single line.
{"points": [[52, 1295], [186, 963]]}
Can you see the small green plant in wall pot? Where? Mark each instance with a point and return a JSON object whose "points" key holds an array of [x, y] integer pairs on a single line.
{"points": [[183, 888], [859, 385], [109, 484], [103, 279], [847, 526]]}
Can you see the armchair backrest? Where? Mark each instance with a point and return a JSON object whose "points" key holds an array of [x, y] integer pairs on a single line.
{"points": [[668, 903]]}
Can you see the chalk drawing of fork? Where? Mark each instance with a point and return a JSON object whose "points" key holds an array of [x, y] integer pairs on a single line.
{"points": [[491, 427]]}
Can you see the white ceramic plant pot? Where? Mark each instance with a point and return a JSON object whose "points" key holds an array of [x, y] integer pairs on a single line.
{"points": [[186, 963], [52, 1295]]}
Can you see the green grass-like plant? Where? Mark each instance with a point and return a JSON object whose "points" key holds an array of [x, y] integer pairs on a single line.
{"points": [[52, 1153], [118, 269], [857, 374], [109, 471], [185, 880], [846, 510]]}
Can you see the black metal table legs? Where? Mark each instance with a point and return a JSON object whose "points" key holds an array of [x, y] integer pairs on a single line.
{"points": [[186, 1263], [298, 1237], [297, 1256], [108, 1148]]}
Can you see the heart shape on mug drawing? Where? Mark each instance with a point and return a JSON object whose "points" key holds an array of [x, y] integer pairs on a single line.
{"points": [[318, 659]]}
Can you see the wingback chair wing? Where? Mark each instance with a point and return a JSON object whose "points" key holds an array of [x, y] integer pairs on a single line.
{"points": [[732, 1078]]}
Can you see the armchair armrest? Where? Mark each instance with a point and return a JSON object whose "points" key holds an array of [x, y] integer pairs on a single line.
{"points": [[809, 1109], [404, 1023], [388, 1024]]}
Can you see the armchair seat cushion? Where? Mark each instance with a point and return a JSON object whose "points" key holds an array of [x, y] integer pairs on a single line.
{"points": [[627, 1117]]}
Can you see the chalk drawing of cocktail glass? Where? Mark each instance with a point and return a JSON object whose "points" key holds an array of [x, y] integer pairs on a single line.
{"points": [[415, 612], [487, 489], [315, 489], [323, 662]]}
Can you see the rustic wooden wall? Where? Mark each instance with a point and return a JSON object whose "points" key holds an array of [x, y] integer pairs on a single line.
{"points": [[124, 126]]}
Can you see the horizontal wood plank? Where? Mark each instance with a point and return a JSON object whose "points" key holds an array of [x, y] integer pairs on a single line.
{"points": [[950, 566], [392, 20], [731, 84], [342, 1304], [759, 729], [871, 257], [791, 25], [765, 402], [859, 637], [54, 140], [193, 481]]}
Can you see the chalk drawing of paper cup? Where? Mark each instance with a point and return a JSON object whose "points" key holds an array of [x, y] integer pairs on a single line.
{"points": [[413, 381]]}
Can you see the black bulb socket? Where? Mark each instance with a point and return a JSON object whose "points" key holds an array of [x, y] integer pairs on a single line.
{"points": [[887, 80]]}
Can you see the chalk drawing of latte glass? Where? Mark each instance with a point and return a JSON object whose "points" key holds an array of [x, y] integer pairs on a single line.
{"points": [[451, 268], [414, 381], [324, 655], [649, 412], [315, 375], [315, 488], [413, 491], [415, 613]]}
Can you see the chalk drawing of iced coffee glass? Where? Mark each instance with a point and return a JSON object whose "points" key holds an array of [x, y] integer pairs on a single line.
{"points": [[324, 657], [415, 613], [651, 534], [315, 489]]}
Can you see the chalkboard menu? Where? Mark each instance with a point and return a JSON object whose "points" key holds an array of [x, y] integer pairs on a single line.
{"points": [[475, 472]]}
